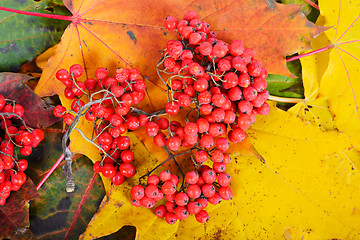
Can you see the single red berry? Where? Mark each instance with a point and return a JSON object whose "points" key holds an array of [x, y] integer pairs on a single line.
{"points": [[165, 175], [127, 170], [181, 212], [160, 139], [208, 190], [118, 179], [194, 207], [108, 170], [137, 192], [153, 179], [203, 202], [62, 75], [97, 167], [171, 23], [172, 108], [206, 141], [160, 211], [264, 109], [76, 70], [168, 187], [101, 73], [136, 203], [192, 177], [152, 129], [219, 167], [224, 179], [236, 135], [202, 216], [170, 218], [201, 156], [209, 176], [123, 142], [22, 165], [173, 143], [127, 156], [193, 191], [151, 191], [225, 192]]}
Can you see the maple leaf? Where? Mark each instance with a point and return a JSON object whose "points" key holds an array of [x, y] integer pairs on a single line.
{"points": [[17, 47], [37, 113], [101, 37], [57, 214], [14, 215], [307, 173], [331, 89]]}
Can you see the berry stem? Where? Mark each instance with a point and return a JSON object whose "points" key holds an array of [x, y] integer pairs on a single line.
{"points": [[52, 169], [312, 4], [285, 100], [53, 16], [310, 53]]}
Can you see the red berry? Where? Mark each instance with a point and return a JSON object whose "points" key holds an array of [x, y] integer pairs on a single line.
{"points": [[223, 179], [76, 70], [182, 199], [152, 129], [153, 179], [118, 179], [172, 108], [108, 170], [171, 23], [193, 191], [137, 192], [225, 192], [202, 216], [151, 191], [191, 177], [168, 187], [127, 170], [160, 211], [181, 212], [170, 218]]}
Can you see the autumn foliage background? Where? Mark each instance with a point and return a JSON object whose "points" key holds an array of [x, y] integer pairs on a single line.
{"points": [[295, 176]]}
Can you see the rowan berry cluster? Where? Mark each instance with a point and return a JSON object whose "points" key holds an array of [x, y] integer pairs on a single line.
{"points": [[14, 133], [109, 102], [224, 88]]}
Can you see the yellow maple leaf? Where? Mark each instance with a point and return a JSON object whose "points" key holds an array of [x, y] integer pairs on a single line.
{"points": [[310, 181]]}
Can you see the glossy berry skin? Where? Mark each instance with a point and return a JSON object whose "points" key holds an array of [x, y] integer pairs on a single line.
{"points": [[137, 192], [168, 187], [118, 179], [193, 191], [152, 129], [191, 177], [165, 175], [97, 167], [160, 211], [225, 193], [170, 218], [181, 199], [202, 216], [108, 170], [127, 170], [171, 23], [209, 176], [151, 191], [181, 212], [153, 179], [147, 202]]}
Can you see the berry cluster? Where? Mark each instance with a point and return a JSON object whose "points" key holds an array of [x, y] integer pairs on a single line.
{"points": [[109, 102], [202, 187], [224, 88], [14, 133]]}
